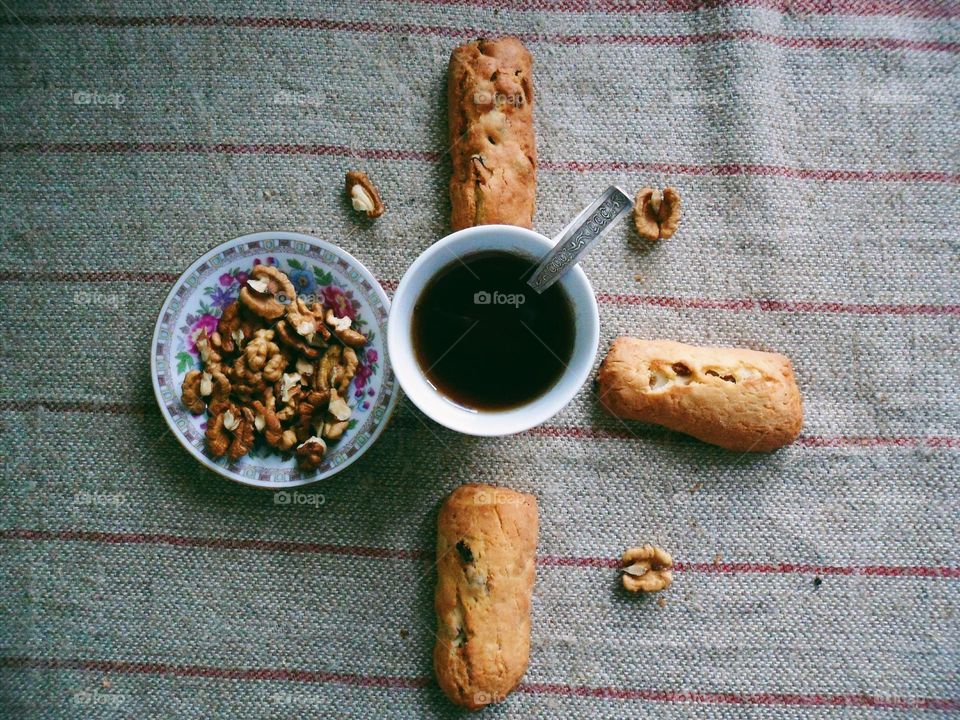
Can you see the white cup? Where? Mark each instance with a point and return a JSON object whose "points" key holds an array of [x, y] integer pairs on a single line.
{"points": [[462, 244]]}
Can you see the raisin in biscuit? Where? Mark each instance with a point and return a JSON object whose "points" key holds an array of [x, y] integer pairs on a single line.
{"points": [[490, 116], [738, 399], [486, 558]]}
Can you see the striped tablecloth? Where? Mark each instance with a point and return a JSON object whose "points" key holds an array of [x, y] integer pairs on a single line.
{"points": [[815, 143]]}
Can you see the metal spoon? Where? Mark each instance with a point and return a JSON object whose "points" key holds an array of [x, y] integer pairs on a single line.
{"points": [[580, 235]]}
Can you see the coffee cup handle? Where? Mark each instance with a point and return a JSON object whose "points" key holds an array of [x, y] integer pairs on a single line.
{"points": [[579, 236]]}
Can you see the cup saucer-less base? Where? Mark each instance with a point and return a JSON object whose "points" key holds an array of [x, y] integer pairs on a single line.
{"points": [[319, 270]]}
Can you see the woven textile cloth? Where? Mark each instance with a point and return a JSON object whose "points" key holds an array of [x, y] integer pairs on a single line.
{"points": [[815, 145]]}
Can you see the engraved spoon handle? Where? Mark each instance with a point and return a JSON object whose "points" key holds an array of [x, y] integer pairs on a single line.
{"points": [[580, 235]]}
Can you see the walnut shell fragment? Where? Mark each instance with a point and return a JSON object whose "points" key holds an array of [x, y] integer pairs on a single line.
{"points": [[363, 194], [656, 214]]}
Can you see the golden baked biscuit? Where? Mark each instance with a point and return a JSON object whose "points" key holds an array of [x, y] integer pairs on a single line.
{"points": [[738, 399], [492, 146], [486, 563]]}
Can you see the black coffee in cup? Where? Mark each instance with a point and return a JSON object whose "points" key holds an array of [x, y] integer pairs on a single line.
{"points": [[485, 339]]}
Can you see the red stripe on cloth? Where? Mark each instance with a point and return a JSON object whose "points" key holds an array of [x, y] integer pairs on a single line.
{"points": [[207, 671], [126, 667], [247, 21], [224, 149], [284, 546], [750, 35], [573, 561], [581, 166], [294, 547], [943, 442], [733, 568], [858, 8], [90, 276], [714, 170], [408, 29], [604, 298], [579, 432], [714, 698], [796, 306], [857, 308], [725, 568], [548, 431], [78, 406], [760, 170], [878, 441], [589, 433]]}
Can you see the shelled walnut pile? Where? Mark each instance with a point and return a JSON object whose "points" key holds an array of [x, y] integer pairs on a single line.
{"points": [[275, 366]]}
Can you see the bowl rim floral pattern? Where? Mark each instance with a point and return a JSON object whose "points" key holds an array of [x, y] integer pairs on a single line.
{"points": [[345, 276]]}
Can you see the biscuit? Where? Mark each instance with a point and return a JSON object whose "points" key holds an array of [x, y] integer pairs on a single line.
{"points": [[486, 563], [492, 146], [738, 399]]}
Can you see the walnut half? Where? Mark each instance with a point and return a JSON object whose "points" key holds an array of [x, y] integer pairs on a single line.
{"points": [[268, 292], [646, 569], [310, 453], [364, 196], [656, 215], [190, 394]]}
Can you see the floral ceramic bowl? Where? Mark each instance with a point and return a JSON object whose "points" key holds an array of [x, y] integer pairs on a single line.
{"points": [[317, 269]]}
